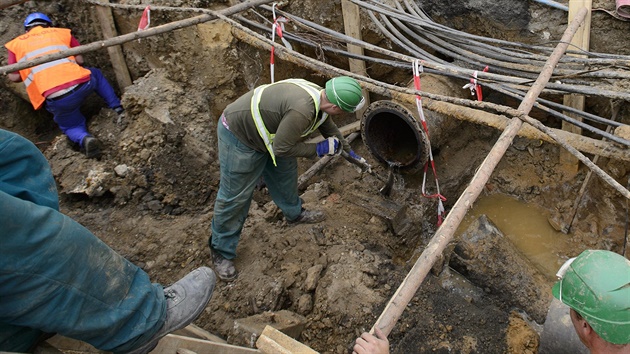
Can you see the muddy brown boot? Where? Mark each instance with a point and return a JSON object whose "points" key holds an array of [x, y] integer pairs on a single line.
{"points": [[308, 217], [91, 147], [223, 267]]}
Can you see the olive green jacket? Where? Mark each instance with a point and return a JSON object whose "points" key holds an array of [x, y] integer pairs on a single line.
{"points": [[288, 111]]}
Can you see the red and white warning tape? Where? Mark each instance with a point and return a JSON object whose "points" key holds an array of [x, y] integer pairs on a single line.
{"points": [[441, 213]]}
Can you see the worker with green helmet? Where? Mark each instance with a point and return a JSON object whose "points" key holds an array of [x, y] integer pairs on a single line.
{"points": [[261, 134], [596, 287]]}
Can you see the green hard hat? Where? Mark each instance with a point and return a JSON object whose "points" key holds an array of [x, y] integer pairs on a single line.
{"points": [[596, 284], [345, 92]]}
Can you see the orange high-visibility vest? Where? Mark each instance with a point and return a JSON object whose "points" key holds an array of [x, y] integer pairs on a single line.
{"points": [[43, 77]]}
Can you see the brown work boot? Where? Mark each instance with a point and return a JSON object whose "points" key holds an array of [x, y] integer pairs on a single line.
{"points": [[308, 217]]}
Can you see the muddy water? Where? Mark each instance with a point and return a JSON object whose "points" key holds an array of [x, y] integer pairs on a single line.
{"points": [[526, 226]]}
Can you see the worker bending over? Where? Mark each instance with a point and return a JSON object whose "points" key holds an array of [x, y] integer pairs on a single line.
{"points": [[596, 287], [261, 134], [60, 85]]}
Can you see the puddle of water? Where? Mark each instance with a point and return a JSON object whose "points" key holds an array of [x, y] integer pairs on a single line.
{"points": [[526, 226]]}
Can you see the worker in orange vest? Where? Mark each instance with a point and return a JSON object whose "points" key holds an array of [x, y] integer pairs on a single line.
{"points": [[60, 85]]}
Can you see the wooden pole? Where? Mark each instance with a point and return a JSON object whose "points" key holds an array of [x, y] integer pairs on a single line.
{"points": [[132, 36], [352, 27], [108, 27], [7, 3], [581, 40], [445, 233]]}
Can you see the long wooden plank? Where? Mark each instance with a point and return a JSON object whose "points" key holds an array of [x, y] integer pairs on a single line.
{"points": [[171, 343], [133, 36], [581, 40], [352, 27], [272, 341], [6, 3], [197, 332]]}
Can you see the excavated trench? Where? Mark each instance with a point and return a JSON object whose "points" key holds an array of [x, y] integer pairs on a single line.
{"points": [[151, 195]]}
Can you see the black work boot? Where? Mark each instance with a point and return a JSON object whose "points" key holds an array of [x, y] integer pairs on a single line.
{"points": [[91, 147], [308, 217], [185, 300], [224, 267]]}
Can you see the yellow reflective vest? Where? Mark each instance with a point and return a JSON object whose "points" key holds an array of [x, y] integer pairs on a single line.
{"points": [[267, 137]]}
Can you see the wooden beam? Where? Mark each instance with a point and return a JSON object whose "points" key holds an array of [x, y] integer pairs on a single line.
{"points": [[211, 15], [171, 343], [197, 332], [569, 163], [106, 18], [6, 3], [352, 27], [272, 341]]}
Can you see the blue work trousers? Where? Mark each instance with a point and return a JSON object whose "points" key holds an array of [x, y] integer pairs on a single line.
{"points": [[58, 277], [241, 168], [67, 110]]}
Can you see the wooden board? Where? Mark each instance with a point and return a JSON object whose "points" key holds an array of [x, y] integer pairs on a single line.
{"points": [[116, 56], [272, 341], [171, 343], [581, 40], [352, 27]]}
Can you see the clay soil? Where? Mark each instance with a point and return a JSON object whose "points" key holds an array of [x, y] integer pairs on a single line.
{"points": [[151, 195]]}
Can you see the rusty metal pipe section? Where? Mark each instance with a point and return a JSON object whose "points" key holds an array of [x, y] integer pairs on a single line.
{"points": [[394, 136]]}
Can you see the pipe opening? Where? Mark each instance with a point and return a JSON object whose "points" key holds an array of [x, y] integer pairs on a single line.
{"points": [[393, 135]]}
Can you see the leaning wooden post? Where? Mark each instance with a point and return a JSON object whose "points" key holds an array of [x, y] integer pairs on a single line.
{"points": [[581, 40], [352, 27], [445, 233], [108, 27]]}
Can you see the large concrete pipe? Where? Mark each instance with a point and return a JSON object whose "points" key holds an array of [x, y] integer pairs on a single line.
{"points": [[393, 131]]}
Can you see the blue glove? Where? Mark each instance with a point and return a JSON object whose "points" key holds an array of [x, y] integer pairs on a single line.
{"points": [[330, 146], [356, 157]]}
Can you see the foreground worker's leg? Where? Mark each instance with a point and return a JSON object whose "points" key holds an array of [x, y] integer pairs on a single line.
{"points": [[240, 169], [57, 276], [24, 171], [282, 184]]}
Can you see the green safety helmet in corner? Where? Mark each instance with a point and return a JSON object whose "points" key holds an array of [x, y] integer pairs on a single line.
{"points": [[345, 92], [596, 284]]}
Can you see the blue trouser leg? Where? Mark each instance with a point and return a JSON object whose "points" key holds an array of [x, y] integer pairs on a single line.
{"points": [[241, 167], [55, 275], [103, 88], [67, 110], [281, 182]]}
